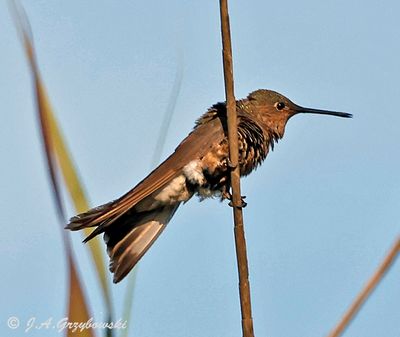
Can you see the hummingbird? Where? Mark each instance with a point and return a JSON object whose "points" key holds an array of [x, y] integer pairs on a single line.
{"points": [[199, 166]]}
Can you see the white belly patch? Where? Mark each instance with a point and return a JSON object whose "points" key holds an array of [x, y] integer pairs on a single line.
{"points": [[194, 174], [175, 191]]}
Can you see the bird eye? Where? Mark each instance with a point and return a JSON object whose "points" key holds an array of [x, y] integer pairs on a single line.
{"points": [[280, 105]]}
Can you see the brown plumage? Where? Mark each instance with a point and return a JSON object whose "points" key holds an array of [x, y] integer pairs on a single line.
{"points": [[199, 165]]}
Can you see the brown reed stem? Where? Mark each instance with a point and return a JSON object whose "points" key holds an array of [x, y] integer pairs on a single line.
{"points": [[367, 290], [240, 241]]}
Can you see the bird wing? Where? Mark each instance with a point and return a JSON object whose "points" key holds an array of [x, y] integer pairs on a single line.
{"points": [[194, 146]]}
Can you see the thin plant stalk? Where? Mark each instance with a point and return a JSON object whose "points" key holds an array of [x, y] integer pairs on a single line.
{"points": [[240, 241], [365, 293]]}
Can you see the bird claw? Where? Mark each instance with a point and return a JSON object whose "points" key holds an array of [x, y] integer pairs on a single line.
{"points": [[226, 195], [229, 164], [242, 204]]}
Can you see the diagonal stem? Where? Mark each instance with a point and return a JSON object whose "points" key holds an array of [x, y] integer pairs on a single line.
{"points": [[240, 241], [367, 290]]}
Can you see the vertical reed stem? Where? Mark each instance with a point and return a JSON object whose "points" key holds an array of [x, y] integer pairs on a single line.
{"points": [[240, 241]]}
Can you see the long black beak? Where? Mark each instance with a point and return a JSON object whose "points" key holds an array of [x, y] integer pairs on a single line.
{"points": [[323, 112]]}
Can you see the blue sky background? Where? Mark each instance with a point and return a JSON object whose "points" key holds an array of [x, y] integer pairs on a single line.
{"points": [[322, 210]]}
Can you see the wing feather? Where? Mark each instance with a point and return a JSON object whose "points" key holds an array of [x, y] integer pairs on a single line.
{"points": [[194, 146]]}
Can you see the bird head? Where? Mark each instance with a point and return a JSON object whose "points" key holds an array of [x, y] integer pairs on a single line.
{"points": [[274, 110]]}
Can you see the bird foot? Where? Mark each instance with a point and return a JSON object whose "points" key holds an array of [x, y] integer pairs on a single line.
{"points": [[226, 195], [229, 164], [242, 204]]}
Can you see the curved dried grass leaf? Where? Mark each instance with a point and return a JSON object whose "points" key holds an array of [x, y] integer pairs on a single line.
{"points": [[77, 308], [77, 195], [78, 311]]}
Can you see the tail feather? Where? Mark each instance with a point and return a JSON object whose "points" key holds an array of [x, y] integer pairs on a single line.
{"points": [[128, 236], [88, 218], [125, 248]]}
